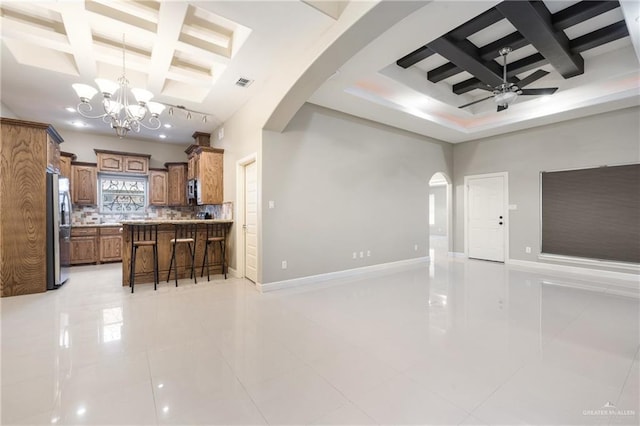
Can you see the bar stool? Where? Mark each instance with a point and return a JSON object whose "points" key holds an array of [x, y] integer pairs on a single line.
{"points": [[183, 234], [216, 233], [143, 236]]}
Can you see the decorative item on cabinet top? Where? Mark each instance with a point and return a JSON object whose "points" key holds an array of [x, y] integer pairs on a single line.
{"points": [[122, 162]]}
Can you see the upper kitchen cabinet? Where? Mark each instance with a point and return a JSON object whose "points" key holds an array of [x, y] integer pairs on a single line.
{"points": [[84, 180], [24, 159], [158, 187], [176, 184], [53, 151], [65, 163], [206, 166], [122, 162]]}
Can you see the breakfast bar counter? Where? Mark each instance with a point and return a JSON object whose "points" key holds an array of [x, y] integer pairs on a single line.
{"points": [[166, 231]]}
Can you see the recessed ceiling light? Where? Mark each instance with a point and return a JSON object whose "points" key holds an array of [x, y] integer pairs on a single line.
{"points": [[167, 125], [165, 409], [70, 109], [163, 136], [78, 123], [81, 411]]}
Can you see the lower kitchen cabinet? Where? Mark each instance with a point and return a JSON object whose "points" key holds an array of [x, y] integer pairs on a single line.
{"points": [[84, 245], [110, 245], [96, 244]]}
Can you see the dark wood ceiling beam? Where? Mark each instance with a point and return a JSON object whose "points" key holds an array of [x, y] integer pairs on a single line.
{"points": [[533, 21], [464, 55], [580, 44], [491, 51], [444, 71], [476, 24], [581, 12], [415, 57], [599, 37]]}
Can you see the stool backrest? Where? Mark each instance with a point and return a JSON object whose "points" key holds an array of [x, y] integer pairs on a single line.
{"points": [[185, 230], [216, 230], [144, 233]]}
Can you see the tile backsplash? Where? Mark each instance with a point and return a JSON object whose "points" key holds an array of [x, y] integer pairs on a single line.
{"points": [[90, 215]]}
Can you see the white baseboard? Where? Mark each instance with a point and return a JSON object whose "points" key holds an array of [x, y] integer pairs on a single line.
{"points": [[315, 279], [233, 273], [456, 254], [632, 268], [634, 279]]}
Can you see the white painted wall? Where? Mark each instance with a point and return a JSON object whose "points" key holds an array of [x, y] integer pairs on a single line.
{"points": [[606, 139], [342, 184], [6, 112]]}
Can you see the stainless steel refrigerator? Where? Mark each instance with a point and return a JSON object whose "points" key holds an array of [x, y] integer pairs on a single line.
{"points": [[58, 230]]}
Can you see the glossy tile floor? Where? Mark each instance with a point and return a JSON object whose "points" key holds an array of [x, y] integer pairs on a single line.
{"points": [[454, 342]]}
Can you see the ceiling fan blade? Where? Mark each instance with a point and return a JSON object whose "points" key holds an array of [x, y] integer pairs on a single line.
{"points": [[537, 75], [475, 102], [502, 107], [546, 91]]}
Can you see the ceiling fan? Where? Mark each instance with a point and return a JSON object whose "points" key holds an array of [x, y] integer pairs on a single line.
{"points": [[507, 92]]}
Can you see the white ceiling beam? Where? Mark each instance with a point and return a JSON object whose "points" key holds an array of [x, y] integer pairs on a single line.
{"points": [[76, 24], [170, 20]]}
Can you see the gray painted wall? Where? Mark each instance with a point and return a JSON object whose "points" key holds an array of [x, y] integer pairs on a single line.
{"points": [[342, 184], [606, 139]]}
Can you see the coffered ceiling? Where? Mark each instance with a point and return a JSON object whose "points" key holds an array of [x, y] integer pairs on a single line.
{"points": [[415, 75], [188, 54], [419, 73]]}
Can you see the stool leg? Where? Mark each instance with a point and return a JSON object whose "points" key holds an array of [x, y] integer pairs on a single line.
{"points": [[133, 268], [204, 258], [155, 267], [208, 264], [224, 259], [175, 265], [173, 255], [192, 252]]}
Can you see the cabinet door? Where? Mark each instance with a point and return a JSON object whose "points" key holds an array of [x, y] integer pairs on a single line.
{"points": [[83, 250], [210, 168], [65, 167], [158, 188], [110, 162], [53, 155], [177, 185], [84, 185], [136, 165], [110, 248]]}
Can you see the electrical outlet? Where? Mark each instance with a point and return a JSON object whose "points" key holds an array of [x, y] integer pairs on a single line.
{"points": [[272, 204], [284, 264], [368, 253], [361, 254], [355, 255], [415, 247], [527, 250]]}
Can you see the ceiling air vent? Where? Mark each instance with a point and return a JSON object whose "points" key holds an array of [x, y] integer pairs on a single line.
{"points": [[243, 82]]}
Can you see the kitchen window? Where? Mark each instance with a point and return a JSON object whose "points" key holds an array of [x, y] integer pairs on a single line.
{"points": [[122, 194]]}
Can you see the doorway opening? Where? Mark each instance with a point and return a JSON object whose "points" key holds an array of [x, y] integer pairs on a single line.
{"points": [[247, 221], [439, 215]]}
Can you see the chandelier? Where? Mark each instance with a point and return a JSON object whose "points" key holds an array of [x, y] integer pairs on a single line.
{"points": [[118, 111]]}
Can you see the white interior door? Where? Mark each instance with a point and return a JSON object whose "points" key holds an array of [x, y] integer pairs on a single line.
{"points": [[251, 221], [486, 217]]}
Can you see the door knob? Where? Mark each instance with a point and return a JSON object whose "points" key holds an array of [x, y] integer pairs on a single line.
{"points": [[499, 223], [500, 217]]}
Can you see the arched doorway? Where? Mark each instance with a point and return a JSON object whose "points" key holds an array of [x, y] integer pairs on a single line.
{"points": [[440, 221]]}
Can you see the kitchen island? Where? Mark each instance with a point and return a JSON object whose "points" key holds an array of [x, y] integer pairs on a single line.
{"points": [[144, 257]]}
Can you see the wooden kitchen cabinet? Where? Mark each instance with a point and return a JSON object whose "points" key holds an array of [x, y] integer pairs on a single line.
{"points": [[24, 149], [122, 162], [176, 184], [84, 181], [65, 164], [53, 154], [208, 170], [158, 186], [110, 244], [84, 245]]}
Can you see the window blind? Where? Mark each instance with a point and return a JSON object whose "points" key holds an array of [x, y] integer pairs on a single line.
{"points": [[592, 213]]}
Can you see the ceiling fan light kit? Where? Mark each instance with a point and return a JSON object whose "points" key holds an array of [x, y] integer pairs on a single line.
{"points": [[507, 92]]}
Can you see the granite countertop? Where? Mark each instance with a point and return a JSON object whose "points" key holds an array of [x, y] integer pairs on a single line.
{"points": [[170, 221], [95, 225]]}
